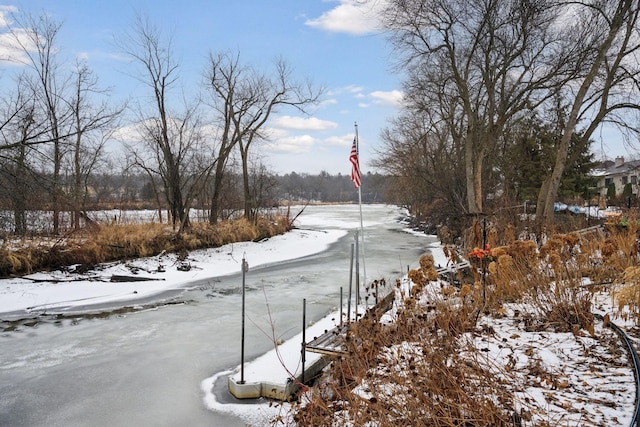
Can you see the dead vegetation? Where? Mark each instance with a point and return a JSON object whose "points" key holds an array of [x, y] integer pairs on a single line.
{"points": [[111, 242], [420, 368]]}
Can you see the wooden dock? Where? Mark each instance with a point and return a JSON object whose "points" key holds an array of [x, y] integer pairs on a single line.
{"points": [[331, 342], [453, 268]]}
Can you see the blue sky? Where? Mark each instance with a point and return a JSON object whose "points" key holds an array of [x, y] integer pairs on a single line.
{"points": [[333, 43]]}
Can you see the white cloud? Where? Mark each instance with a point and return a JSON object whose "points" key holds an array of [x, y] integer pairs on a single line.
{"points": [[129, 133], [327, 102], [120, 57], [4, 11], [348, 89], [272, 133], [350, 16], [13, 45], [292, 144], [393, 97], [339, 141], [301, 123]]}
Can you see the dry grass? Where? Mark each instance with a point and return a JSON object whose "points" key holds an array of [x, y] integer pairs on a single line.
{"points": [[111, 242], [419, 371], [414, 371]]}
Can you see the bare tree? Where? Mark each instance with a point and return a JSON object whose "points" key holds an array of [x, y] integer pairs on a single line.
{"points": [[476, 67], [426, 166], [243, 100], [67, 117], [262, 184], [604, 85], [20, 123], [175, 138], [37, 39], [92, 126]]}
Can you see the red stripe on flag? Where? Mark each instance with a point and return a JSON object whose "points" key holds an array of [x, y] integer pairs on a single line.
{"points": [[355, 164]]}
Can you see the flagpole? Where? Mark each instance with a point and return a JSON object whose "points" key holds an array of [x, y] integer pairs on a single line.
{"points": [[364, 267]]}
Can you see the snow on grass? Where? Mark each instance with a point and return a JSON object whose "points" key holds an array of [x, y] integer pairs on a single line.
{"points": [[559, 378], [62, 290]]}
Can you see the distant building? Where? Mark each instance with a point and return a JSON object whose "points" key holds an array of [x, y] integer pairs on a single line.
{"points": [[618, 173]]}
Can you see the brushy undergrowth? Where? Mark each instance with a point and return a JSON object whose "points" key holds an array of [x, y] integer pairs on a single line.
{"points": [[420, 370], [111, 242]]}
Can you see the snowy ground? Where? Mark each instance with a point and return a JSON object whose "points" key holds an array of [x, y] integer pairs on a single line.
{"points": [[559, 379], [62, 291], [582, 381]]}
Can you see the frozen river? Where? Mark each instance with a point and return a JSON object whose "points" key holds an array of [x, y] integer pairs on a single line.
{"points": [[144, 368]]}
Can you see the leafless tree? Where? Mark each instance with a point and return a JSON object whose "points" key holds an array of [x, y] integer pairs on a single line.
{"points": [[63, 117], [426, 166], [477, 65], [262, 185], [243, 99], [20, 124], [604, 86], [177, 145], [93, 124], [37, 38]]}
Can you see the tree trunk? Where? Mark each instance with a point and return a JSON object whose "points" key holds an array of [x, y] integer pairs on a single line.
{"points": [[19, 196], [248, 201], [77, 181], [551, 185], [470, 178], [473, 173], [477, 182], [549, 191], [214, 213]]}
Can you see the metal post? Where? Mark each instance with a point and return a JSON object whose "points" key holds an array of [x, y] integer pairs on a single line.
{"points": [[341, 306], [304, 336], [350, 287], [245, 268], [357, 275]]}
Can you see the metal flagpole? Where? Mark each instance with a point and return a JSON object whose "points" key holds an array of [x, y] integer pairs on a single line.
{"points": [[245, 268], [364, 267]]}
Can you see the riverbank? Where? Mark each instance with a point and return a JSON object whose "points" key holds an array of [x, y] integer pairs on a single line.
{"points": [[550, 376], [65, 291]]}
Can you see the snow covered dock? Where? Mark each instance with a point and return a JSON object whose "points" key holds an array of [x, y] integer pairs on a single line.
{"points": [[271, 375]]}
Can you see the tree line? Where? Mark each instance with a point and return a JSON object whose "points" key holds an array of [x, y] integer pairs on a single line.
{"points": [[135, 191], [503, 99], [56, 120]]}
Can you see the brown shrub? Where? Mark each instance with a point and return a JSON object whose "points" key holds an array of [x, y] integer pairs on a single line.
{"points": [[112, 241], [417, 277], [426, 262]]}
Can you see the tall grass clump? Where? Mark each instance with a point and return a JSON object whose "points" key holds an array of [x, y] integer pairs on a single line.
{"points": [[105, 242], [420, 369], [413, 371], [620, 258]]}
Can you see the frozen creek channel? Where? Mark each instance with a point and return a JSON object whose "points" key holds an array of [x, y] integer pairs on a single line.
{"points": [[144, 368]]}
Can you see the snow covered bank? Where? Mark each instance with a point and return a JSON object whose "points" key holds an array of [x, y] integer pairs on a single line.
{"points": [[555, 378], [65, 291]]}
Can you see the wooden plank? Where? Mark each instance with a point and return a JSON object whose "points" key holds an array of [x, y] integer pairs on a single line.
{"points": [[329, 343], [453, 268]]}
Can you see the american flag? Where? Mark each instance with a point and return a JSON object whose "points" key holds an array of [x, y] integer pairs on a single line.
{"points": [[355, 164]]}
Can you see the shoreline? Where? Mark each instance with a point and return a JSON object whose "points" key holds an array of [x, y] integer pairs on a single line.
{"points": [[54, 293]]}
